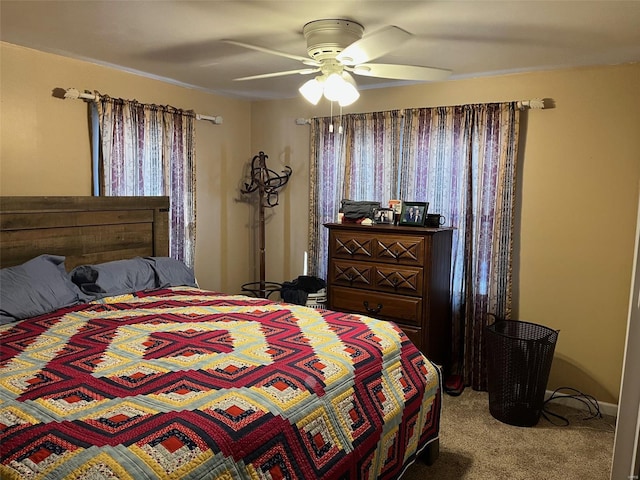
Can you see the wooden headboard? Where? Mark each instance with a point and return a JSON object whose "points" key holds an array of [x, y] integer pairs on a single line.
{"points": [[86, 230]]}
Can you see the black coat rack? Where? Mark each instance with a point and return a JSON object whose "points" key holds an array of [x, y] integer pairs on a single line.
{"points": [[267, 183]]}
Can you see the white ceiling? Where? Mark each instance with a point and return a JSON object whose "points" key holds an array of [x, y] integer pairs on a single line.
{"points": [[180, 41]]}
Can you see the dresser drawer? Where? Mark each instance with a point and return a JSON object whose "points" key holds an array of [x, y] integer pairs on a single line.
{"points": [[404, 250], [396, 249], [392, 279], [352, 274], [375, 304], [360, 246], [398, 279]]}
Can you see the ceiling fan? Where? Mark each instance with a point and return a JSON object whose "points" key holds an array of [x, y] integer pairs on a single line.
{"points": [[337, 48]]}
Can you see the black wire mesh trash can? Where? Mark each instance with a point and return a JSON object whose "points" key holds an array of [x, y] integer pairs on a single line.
{"points": [[519, 360]]}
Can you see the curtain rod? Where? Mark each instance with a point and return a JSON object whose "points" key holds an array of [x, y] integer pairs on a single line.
{"points": [[74, 94], [533, 104]]}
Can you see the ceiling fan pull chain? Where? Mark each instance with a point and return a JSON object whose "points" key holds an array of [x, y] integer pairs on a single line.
{"points": [[331, 116]]}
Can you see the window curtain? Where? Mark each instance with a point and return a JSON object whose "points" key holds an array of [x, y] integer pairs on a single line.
{"points": [[355, 160], [462, 160], [149, 150]]}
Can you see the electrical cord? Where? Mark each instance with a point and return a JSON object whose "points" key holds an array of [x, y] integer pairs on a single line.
{"points": [[591, 403]]}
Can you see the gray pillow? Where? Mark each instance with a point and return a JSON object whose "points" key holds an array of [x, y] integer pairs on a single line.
{"points": [[114, 278], [171, 272], [36, 287]]}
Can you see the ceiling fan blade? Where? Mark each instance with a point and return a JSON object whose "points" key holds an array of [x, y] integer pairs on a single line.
{"points": [[302, 71], [374, 45], [305, 60], [401, 72]]}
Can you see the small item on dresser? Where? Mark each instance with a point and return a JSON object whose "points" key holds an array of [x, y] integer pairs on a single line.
{"points": [[434, 220], [396, 206]]}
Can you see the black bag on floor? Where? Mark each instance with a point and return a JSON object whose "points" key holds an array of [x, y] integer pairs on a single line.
{"points": [[298, 290]]}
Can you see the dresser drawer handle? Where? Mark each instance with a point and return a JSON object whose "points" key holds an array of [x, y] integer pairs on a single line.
{"points": [[372, 310]]}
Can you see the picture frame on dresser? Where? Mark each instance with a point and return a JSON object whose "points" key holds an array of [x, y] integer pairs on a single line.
{"points": [[413, 213], [383, 216]]}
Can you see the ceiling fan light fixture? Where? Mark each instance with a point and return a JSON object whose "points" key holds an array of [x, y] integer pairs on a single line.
{"points": [[349, 91], [312, 90], [333, 87], [341, 88]]}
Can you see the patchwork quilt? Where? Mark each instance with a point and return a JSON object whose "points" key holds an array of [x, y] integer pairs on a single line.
{"points": [[184, 383]]}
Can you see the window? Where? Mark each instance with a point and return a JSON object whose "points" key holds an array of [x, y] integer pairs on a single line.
{"points": [[460, 159], [148, 150]]}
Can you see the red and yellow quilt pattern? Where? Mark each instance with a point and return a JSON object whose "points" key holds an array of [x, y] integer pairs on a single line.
{"points": [[189, 384]]}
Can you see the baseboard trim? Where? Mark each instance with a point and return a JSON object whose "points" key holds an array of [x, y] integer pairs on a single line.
{"points": [[605, 407]]}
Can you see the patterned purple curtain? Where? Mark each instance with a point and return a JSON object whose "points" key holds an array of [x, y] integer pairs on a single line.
{"points": [[357, 162], [149, 150], [460, 159]]}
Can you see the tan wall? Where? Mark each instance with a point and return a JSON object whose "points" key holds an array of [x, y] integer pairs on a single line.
{"points": [[580, 175], [578, 190], [44, 148]]}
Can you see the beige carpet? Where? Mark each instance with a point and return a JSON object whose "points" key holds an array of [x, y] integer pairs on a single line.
{"points": [[474, 445]]}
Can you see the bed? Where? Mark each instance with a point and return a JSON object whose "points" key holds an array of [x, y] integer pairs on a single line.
{"points": [[173, 381]]}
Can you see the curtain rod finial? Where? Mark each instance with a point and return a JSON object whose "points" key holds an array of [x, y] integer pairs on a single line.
{"points": [[72, 93], [217, 120], [75, 94], [534, 104]]}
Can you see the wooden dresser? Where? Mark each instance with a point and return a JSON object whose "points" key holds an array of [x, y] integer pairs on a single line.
{"points": [[396, 273]]}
